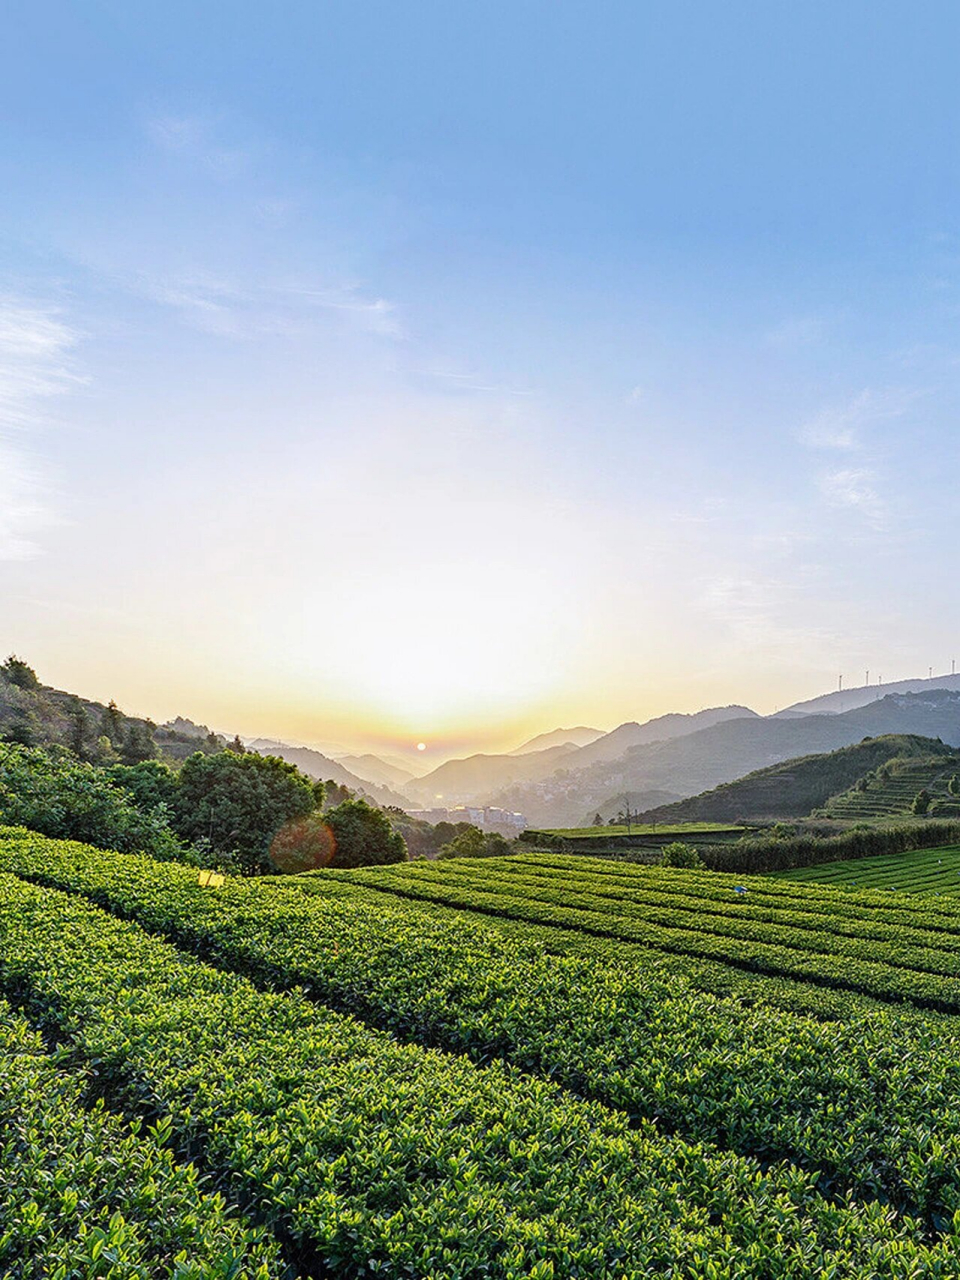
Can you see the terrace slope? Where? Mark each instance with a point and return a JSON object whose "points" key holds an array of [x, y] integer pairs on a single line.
{"points": [[796, 787]]}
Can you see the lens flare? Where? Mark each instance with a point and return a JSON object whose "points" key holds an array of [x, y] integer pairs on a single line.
{"points": [[303, 845], [421, 746]]}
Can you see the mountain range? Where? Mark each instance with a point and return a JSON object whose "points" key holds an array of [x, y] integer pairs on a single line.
{"points": [[693, 762], [560, 778]]}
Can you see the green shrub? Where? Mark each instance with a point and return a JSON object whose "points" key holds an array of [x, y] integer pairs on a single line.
{"points": [[921, 801], [363, 836], [473, 843], [50, 791], [235, 805], [678, 854]]}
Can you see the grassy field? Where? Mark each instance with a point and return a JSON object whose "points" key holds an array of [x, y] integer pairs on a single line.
{"points": [[528, 1068], [678, 829], [935, 871]]}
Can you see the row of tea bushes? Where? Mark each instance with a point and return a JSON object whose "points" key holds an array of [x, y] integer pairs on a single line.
{"points": [[81, 1194], [869, 1102]]}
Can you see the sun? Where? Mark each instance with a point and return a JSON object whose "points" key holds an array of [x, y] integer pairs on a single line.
{"points": [[421, 746]]}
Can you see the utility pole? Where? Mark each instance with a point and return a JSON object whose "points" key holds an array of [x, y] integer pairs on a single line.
{"points": [[867, 681]]}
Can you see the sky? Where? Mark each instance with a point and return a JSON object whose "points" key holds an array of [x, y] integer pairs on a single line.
{"points": [[375, 373]]}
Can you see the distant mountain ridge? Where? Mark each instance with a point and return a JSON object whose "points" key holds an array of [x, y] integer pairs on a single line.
{"points": [[663, 728], [841, 700], [723, 752], [321, 767], [579, 737], [473, 779], [470, 779], [376, 769]]}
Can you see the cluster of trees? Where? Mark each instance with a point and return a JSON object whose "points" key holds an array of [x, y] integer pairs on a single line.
{"points": [[250, 813], [88, 772], [52, 792], [474, 843]]}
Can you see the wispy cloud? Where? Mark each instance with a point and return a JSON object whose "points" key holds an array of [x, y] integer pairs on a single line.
{"points": [[468, 383], [378, 315], [199, 137], [854, 488], [850, 429], [249, 310], [841, 427], [34, 366]]}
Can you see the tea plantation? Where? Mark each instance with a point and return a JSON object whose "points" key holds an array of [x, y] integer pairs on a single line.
{"points": [[930, 871], [536, 1066]]}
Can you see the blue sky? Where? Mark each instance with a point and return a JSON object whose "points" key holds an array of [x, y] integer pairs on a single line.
{"points": [[372, 373]]}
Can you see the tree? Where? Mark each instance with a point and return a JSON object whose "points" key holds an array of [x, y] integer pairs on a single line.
{"points": [[237, 804], [474, 843], [363, 835], [303, 845], [237, 747], [336, 793], [20, 673], [137, 745], [112, 725], [921, 801], [150, 784], [953, 786], [78, 725], [21, 730], [678, 854], [52, 792], [597, 820], [469, 844]]}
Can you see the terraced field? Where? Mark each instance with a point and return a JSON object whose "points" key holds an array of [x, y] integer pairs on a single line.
{"points": [[893, 795], [528, 1067], [929, 871]]}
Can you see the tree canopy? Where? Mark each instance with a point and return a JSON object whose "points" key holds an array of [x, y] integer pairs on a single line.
{"points": [[19, 673], [50, 791], [235, 804], [363, 835]]}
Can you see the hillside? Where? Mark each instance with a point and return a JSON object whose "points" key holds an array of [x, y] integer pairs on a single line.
{"points": [[796, 787], [841, 700], [724, 752], [479, 777], [316, 765], [891, 790], [43, 716], [37, 714]]}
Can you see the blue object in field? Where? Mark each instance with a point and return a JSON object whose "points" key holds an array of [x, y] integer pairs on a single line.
{"points": [[740, 889]]}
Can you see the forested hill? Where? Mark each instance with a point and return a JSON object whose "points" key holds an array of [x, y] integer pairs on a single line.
{"points": [[36, 714], [796, 787]]}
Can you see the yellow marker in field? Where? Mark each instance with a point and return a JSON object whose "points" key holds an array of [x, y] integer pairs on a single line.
{"points": [[211, 879]]}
